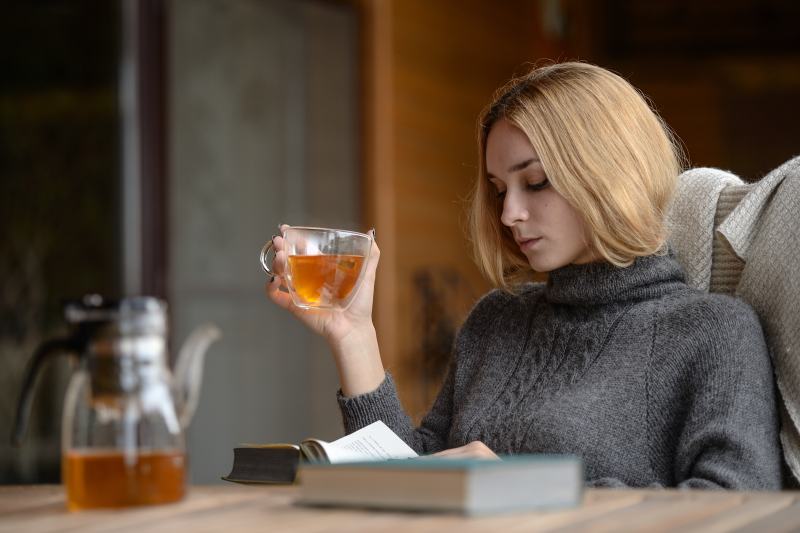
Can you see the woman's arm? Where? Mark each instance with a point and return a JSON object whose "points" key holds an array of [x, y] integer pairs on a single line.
{"points": [[712, 415], [367, 392], [730, 434], [383, 404], [350, 333], [433, 433], [358, 361]]}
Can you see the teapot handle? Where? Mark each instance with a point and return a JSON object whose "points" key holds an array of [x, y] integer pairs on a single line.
{"points": [[43, 352]]}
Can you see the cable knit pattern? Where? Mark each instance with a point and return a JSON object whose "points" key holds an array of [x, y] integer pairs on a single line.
{"points": [[651, 382]]}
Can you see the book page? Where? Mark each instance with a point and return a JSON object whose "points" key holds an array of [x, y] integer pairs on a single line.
{"points": [[374, 442], [315, 450]]}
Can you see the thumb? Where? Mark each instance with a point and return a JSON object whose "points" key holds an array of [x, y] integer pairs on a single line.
{"points": [[374, 257]]}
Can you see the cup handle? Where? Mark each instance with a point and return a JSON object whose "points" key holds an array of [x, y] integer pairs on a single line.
{"points": [[262, 257]]}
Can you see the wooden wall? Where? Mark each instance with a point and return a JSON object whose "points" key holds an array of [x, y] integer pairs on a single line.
{"points": [[724, 75], [429, 69]]}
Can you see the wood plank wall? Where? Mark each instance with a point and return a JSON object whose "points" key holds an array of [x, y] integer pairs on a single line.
{"points": [[429, 69], [724, 75]]}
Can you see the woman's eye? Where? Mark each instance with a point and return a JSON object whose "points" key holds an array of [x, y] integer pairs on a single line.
{"points": [[539, 186], [501, 194]]}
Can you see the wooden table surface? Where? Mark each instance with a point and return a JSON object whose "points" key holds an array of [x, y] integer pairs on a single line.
{"points": [[266, 508]]}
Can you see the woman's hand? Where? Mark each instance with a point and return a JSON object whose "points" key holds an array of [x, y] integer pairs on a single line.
{"points": [[350, 333], [474, 450], [334, 325]]}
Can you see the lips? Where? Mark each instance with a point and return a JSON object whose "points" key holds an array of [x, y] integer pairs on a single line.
{"points": [[526, 243]]}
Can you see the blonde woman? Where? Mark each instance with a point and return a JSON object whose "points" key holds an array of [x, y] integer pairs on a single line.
{"points": [[615, 358]]}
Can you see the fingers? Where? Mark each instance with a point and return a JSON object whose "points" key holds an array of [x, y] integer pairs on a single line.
{"points": [[275, 288], [279, 294], [274, 293], [475, 449], [461, 451], [279, 261]]}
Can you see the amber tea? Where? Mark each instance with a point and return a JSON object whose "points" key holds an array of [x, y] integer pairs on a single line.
{"points": [[324, 266], [96, 479], [324, 279]]}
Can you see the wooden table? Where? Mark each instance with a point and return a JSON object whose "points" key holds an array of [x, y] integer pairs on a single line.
{"points": [[263, 508]]}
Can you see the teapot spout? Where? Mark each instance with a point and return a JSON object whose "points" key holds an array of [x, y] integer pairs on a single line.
{"points": [[189, 370]]}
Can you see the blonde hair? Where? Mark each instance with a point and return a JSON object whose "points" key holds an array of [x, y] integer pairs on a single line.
{"points": [[602, 148]]}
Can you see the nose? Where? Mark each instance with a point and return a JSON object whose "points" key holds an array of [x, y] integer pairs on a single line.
{"points": [[514, 209]]}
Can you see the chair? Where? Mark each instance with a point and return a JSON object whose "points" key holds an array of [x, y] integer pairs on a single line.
{"points": [[744, 240]]}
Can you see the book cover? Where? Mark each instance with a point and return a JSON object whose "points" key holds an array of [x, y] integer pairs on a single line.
{"points": [[467, 486]]}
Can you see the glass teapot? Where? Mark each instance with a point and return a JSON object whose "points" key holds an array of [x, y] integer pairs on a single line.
{"points": [[124, 413]]}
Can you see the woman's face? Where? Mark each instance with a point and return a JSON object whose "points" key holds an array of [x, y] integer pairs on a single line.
{"points": [[547, 229]]}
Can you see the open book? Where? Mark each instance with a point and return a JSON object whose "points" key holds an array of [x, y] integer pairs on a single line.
{"points": [[277, 463]]}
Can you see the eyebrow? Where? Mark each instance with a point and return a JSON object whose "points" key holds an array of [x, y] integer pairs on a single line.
{"points": [[516, 167]]}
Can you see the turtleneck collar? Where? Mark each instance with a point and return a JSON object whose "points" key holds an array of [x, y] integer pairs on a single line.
{"points": [[603, 283]]}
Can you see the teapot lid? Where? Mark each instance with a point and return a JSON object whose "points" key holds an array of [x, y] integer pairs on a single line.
{"points": [[130, 316]]}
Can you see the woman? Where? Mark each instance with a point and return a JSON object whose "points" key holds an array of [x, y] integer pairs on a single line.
{"points": [[615, 359]]}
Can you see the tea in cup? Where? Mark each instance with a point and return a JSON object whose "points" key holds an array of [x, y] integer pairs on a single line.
{"points": [[324, 267]]}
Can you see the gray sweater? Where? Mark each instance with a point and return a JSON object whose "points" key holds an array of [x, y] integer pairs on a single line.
{"points": [[651, 382]]}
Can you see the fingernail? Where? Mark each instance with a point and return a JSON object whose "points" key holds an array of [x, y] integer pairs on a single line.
{"points": [[279, 226], [273, 237], [373, 232]]}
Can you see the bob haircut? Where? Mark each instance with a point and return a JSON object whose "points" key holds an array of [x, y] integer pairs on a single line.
{"points": [[602, 148]]}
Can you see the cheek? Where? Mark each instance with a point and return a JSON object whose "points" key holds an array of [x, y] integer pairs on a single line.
{"points": [[565, 222], [542, 210], [548, 211], [573, 227]]}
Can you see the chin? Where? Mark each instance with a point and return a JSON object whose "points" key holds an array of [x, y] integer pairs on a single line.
{"points": [[545, 264], [549, 260]]}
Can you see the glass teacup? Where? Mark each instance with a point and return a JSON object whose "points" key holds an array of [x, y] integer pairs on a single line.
{"points": [[324, 267]]}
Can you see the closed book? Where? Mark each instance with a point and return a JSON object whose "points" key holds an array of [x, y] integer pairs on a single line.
{"points": [[278, 463], [466, 486], [265, 463]]}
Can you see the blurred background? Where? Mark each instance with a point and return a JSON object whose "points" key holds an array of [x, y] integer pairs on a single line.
{"points": [[152, 147]]}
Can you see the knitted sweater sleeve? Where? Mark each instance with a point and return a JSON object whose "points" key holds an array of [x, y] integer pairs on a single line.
{"points": [[711, 391], [383, 403]]}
